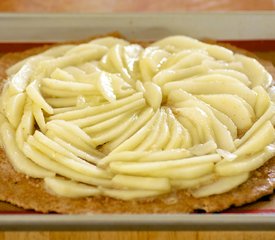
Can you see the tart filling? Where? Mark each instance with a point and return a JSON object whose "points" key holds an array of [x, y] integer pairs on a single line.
{"points": [[116, 119]]}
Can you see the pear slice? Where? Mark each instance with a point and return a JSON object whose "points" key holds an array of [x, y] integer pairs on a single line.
{"points": [[257, 142], [220, 53], [180, 137], [185, 172], [199, 120], [34, 94], [15, 108], [68, 188], [153, 95], [63, 75], [153, 136], [244, 164], [192, 183], [75, 164], [213, 84], [111, 134], [138, 137], [144, 168], [178, 43], [222, 185], [270, 112], [221, 135], [143, 117], [47, 163], [89, 121], [263, 101], [150, 62], [255, 71], [104, 84], [88, 111], [233, 106], [163, 135], [107, 124], [168, 75], [232, 73], [142, 183], [19, 161]]}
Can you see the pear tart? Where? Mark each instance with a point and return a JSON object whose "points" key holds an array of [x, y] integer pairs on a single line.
{"points": [[111, 126]]}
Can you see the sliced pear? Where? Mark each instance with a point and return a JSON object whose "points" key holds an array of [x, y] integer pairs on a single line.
{"points": [[121, 88], [60, 74], [89, 111], [142, 183], [255, 71], [111, 134], [68, 136], [68, 188], [257, 142], [153, 95], [177, 43], [222, 136], [89, 121], [35, 95], [15, 108], [185, 172], [233, 73], [74, 164], [62, 102], [104, 84], [192, 183], [165, 155], [19, 81], [107, 124], [199, 118], [144, 116], [243, 164], [263, 101], [270, 112], [168, 75], [163, 135], [116, 57], [150, 61], [39, 117], [180, 137], [204, 149], [127, 156], [142, 168], [213, 84], [42, 160], [92, 157], [132, 142], [19, 161], [222, 185], [233, 106], [220, 53], [153, 135], [191, 128]]}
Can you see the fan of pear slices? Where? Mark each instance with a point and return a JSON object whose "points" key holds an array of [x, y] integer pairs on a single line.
{"points": [[116, 119]]}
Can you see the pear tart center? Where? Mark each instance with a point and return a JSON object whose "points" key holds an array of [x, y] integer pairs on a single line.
{"points": [[112, 118]]}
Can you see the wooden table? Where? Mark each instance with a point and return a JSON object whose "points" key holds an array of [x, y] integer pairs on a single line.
{"points": [[134, 6]]}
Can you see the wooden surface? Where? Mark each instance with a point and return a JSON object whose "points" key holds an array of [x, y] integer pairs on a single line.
{"points": [[135, 6], [137, 235], [132, 5]]}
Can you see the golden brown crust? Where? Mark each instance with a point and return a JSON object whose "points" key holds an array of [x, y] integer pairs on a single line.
{"points": [[29, 193]]}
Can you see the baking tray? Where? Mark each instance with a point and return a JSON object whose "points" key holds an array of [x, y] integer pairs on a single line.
{"points": [[252, 28]]}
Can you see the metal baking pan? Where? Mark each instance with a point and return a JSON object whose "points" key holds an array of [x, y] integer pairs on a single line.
{"points": [[44, 28]]}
